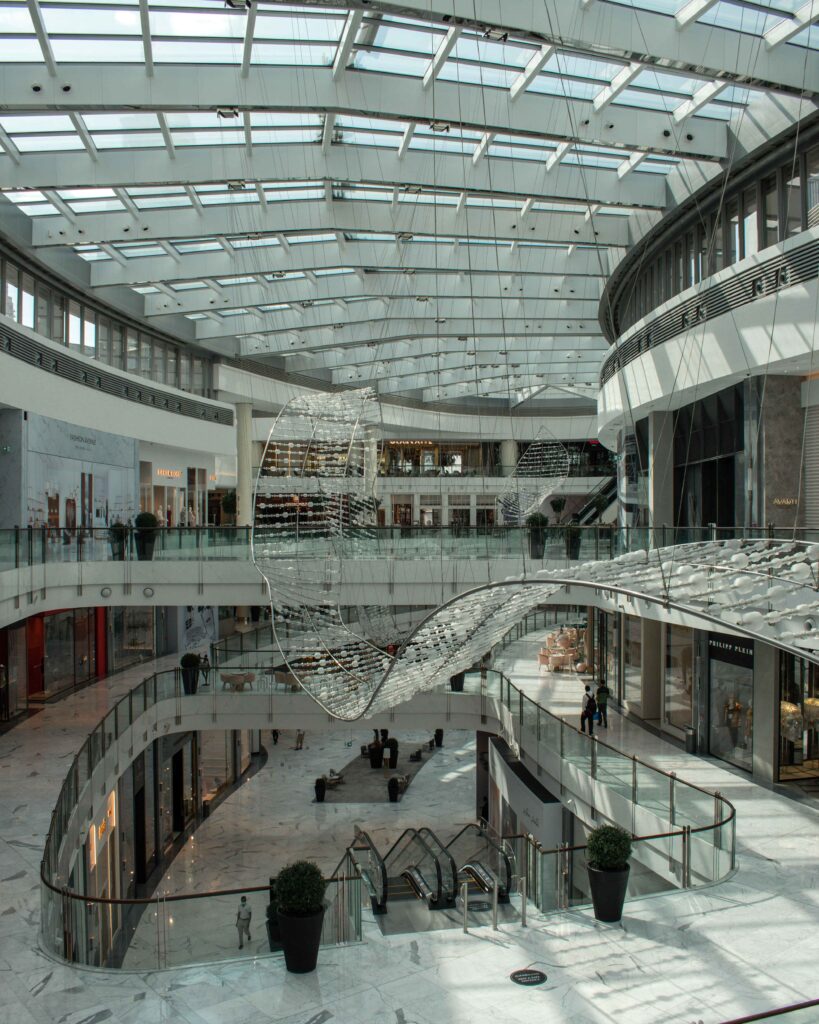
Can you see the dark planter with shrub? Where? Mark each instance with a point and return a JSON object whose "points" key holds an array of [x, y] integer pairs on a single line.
{"points": [[392, 747], [608, 849], [439, 737], [118, 537], [274, 936], [300, 899], [392, 790], [321, 789], [456, 682], [376, 755], [537, 524], [189, 663], [145, 526]]}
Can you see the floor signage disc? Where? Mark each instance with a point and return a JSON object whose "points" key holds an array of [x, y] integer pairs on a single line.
{"points": [[478, 905], [528, 977]]}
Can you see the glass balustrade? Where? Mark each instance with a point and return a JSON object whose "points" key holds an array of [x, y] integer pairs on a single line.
{"points": [[698, 848], [552, 547]]}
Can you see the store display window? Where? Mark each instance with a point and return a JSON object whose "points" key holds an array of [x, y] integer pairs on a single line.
{"points": [[798, 719], [679, 676], [731, 701], [633, 663]]}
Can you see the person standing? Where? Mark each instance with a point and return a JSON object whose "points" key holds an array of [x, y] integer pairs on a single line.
{"points": [[588, 712], [243, 915], [274, 733], [299, 739], [602, 697], [204, 668]]}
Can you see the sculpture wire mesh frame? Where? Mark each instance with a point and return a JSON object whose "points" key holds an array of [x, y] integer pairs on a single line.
{"points": [[542, 468]]}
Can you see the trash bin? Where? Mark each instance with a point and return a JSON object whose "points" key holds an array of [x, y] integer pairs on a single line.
{"points": [[690, 740]]}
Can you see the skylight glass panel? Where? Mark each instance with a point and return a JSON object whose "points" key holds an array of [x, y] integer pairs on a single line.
{"points": [[196, 316], [519, 152], [155, 190], [284, 275], [333, 271], [371, 124], [48, 143], [224, 24], [646, 100], [808, 37], [271, 25], [272, 307], [131, 140], [553, 85], [281, 136], [145, 289], [717, 111], [233, 312], [293, 54], [369, 195], [357, 138], [304, 239], [741, 19], [20, 51], [64, 21], [283, 119], [17, 20], [214, 138], [253, 243], [161, 202], [441, 144], [197, 245], [289, 195], [227, 282], [478, 74], [98, 51], [391, 63], [25, 196], [90, 253], [138, 250], [188, 286], [30, 123], [97, 205], [391, 36]]}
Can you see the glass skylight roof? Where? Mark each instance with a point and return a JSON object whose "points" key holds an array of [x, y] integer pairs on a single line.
{"points": [[286, 194]]}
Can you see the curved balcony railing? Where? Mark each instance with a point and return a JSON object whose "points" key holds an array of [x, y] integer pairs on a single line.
{"points": [[32, 546], [696, 848]]}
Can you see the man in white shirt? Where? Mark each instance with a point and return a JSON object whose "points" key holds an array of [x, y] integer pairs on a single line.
{"points": [[243, 916]]}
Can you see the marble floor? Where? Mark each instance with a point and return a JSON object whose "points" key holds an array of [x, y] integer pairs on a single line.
{"points": [[711, 955]]}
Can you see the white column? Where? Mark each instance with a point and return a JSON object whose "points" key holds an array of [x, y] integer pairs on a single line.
{"points": [[244, 464], [416, 508], [509, 456]]}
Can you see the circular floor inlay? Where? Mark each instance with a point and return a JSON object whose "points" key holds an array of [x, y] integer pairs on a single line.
{"points": [[528, 977]]}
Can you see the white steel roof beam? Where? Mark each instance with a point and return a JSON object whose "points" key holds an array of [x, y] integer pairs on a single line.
{"points": [[627, 166], [621, 81], [327, 131], [147, 46], [42, 37], [806, 15], [247, 46], [319, 216], [8, 146], [384, 96], [555, 158], [531, 71], [480, 150], [703, 95], [347, 41], [441, 55], [692, 10], [406, 139], [166, 135]]}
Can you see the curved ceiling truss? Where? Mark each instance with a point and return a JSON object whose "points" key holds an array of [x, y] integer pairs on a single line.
{"points": [[344, 190]]}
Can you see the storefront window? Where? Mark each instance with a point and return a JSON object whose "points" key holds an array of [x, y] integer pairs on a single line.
{"points": [[793, 200], [750, 234], [132, 636], [679, 676], [11, 305], [27, 301], [69, 649], [770, 212], [731, 704], [632, 662], [798, 718]]}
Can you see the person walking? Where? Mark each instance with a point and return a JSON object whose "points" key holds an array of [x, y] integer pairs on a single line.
{"points": [[602, 697], [275, 736], [588, 712], [243, 915], [299, 739], [204, 668]]}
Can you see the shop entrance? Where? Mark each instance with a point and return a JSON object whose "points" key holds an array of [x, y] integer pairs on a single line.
{"points": [[140, 860], [178, 791]]}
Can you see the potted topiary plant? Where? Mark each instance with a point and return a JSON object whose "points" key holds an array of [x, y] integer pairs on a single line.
{"points": [[392, 789], [189, 663], [300, 901], [146, 524], [608, 849], [118, 537], [274, 936], [456, 682], [537, 523], [439, 737], [320, 786]]}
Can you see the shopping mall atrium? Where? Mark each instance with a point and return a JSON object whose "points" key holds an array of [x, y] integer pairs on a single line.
{"points": [[409, 521]]}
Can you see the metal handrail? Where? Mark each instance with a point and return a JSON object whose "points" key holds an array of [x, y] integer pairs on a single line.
{"points": [[780, 1011]]}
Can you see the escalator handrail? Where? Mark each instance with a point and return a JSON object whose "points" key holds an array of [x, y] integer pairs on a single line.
{"points": [[360, 834], [444, 853], [413, 834], [497, 844]]}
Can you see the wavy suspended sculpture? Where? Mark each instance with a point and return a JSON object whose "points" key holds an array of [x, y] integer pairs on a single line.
{"points": [[316, 509], [542, 468]]}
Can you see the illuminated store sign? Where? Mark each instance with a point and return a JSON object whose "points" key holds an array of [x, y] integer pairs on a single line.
{"points": [[101, 830], [174, 474], [732, 649]]}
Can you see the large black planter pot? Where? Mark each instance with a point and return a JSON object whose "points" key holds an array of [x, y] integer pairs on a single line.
{"points": [[321, 789], [301, 937], [394, 758], [190, 680], [439, 737], [377, 758], [274, 935], [144, 541], [608, 892], [392, 790], [456, 682], [537, 544]]}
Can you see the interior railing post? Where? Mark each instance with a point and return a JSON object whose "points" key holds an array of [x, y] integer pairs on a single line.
{"points": [[495, 906], [465, 905], [686, 857]]}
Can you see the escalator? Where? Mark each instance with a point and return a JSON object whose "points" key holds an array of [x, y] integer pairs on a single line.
{"points": [[598, 501], [370, 866], [482, 860], [414, 870]]}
